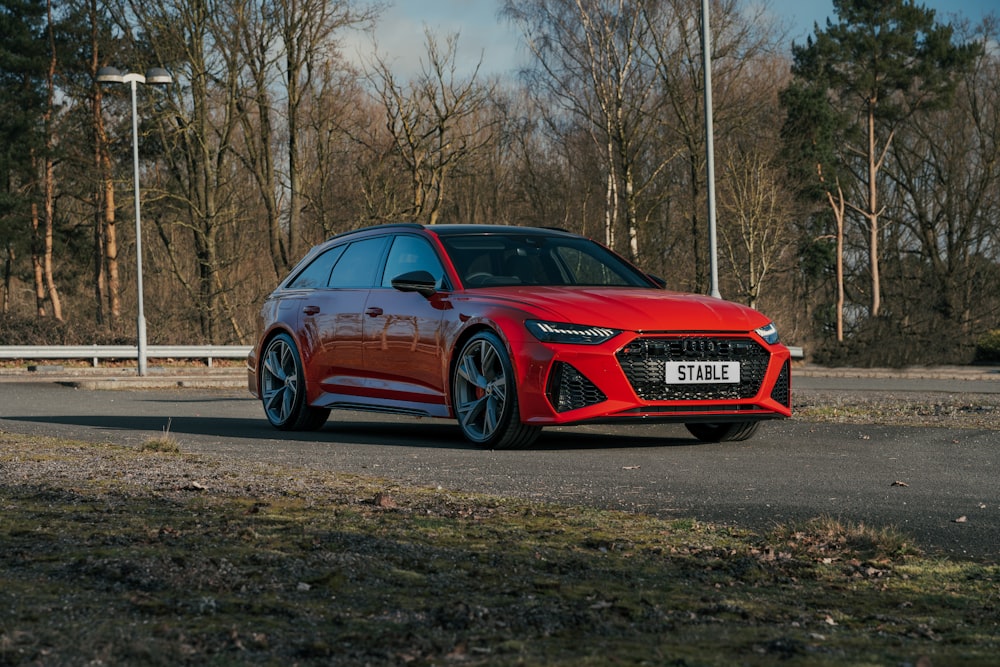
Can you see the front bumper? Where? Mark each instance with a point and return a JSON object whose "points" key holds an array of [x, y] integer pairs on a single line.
{"points": [[625, 379]]}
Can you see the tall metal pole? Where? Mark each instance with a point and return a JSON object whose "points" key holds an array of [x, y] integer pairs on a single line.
{"points": [[706, 44], [155, 75], [140, 314]]}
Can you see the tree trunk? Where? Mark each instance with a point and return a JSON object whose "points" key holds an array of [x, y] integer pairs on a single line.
{"points": [[838, 206], [106, 281], [8, 268], [873, 213], [610, 201], [111, 242], [49, 176], [49, 232], [37, 273], [107, 285]]}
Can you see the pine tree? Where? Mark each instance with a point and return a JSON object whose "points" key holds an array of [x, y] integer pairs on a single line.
{"points": [[856, 81], [23, 64]]}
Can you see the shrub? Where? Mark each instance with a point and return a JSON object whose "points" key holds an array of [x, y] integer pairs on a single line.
{"points": [[15, 330], [988, 347]]}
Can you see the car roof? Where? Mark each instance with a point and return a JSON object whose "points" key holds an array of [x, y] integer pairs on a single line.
{"points": [[452, 230], [457, 229]]}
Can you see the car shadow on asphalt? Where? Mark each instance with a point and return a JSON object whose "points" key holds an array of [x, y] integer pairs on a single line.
{"points": [[352, 429]]}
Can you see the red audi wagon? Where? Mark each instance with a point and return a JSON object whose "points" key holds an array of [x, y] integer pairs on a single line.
{"points": [[507, 330]]}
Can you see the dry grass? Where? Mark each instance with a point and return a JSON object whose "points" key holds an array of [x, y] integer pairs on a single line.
{"points": [[977, 411], [122, 556]]}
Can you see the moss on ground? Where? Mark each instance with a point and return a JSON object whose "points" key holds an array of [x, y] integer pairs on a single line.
{"points": [[114, 555]]}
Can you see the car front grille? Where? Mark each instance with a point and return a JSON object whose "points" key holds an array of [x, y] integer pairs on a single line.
{"points": [[568, 389], [643, 361]]}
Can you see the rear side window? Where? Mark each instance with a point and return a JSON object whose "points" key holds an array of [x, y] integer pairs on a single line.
{"points": [[358, 266], [317, 274]]}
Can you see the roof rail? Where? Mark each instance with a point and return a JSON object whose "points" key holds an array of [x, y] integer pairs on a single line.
{"points": [[384, 225]]}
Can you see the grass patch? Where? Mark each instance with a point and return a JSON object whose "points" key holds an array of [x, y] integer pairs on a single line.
{"points": [[118, 555], [165, 443], [967, 411]]}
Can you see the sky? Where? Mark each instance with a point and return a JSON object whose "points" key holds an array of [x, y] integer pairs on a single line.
{"points": [[400, 32]]}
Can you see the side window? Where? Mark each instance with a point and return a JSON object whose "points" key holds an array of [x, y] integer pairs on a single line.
{"points": [[359, 264], [410, 253], [317, 274]]}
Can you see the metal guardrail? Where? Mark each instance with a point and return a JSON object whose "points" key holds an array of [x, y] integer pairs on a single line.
{"points": [[97, 352]]}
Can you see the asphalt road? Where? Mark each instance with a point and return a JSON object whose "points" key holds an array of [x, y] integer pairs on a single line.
{"points": [[791, 471]]}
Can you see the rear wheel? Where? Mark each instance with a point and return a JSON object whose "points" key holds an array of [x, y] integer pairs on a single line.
{"points": [[283, 388], [730, 432], [484, 394]]}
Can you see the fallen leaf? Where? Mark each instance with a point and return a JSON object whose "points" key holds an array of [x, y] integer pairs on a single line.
{"points": [[631, 467], [961, 519], [898, 483]]}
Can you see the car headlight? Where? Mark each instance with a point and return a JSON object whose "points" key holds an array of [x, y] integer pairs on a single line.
{"points": [[769, 333], [563, 332]]}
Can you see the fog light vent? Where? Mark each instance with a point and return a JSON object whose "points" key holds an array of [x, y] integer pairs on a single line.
{"points": [[568, 389], [782, 392]]}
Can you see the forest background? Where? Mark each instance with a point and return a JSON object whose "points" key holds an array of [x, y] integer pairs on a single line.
{"points": [[857, 174]]}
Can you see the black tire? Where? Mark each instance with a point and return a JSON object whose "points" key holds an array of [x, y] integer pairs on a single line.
{"points": [[731, 432], [283, 388], [484, 395]]}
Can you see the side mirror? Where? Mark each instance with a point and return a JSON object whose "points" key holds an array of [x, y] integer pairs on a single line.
{"points": [[660, 282], [421, 282]]}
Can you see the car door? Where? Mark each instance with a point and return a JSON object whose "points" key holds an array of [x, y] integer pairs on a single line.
{"points": [[404, 349], [331, 321]]}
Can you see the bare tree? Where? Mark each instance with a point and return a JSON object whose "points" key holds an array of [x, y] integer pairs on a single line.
{"points": [[430, 122], [284, 51], [592, 61], [740, 44], [308, 29], [757, 212], [107, 283], [251, 38], [189, 199], [337, 194], [946, 188], [44, 276]]}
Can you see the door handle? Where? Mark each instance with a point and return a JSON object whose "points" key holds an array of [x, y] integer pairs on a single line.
{"points": [[311, 310], [373, 312]]}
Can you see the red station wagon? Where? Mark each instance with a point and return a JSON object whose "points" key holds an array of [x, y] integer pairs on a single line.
{"points": [[506, 330]]}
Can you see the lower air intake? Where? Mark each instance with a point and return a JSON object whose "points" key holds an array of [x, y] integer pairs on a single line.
{"points": [[568, 389]]}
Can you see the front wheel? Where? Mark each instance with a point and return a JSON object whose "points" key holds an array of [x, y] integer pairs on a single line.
{"points": [[484, 394], [283, 388], [731, 432]]}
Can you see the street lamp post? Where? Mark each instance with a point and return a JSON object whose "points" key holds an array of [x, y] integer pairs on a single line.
{"points": [[155, 75], [713, 247]]}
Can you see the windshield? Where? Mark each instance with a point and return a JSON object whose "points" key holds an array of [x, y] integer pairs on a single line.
{"points": [[489, 260]]}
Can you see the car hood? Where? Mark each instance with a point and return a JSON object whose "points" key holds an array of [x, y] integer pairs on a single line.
{"points": [[632, 309]]}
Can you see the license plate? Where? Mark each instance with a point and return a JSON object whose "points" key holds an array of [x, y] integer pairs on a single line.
{"points": [[703, 372]]}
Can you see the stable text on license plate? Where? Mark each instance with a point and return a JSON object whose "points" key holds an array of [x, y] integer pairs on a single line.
{"points": [[702, 372]]}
